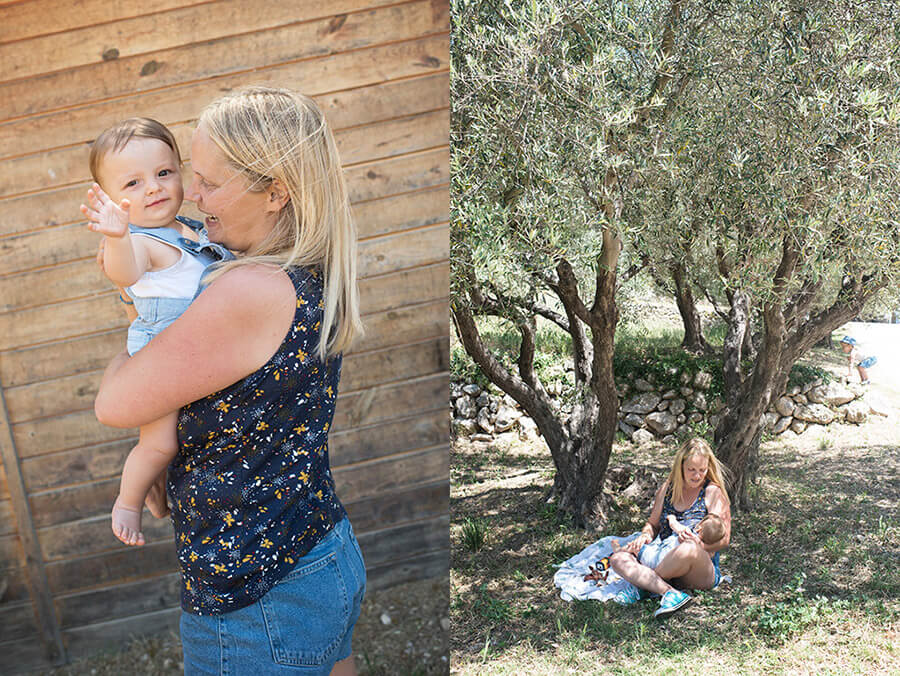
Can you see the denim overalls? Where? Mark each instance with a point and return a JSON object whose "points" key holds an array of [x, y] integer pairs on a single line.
{"points": [[155, 314]]}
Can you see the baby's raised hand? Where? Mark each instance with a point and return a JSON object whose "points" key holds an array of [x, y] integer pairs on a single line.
{"points": [[104, 215]]}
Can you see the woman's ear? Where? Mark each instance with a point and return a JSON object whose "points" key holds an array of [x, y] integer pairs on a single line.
{"points": [[277, 196]]}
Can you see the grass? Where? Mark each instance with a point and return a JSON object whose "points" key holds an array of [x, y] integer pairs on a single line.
{"points": [[815, 570]]}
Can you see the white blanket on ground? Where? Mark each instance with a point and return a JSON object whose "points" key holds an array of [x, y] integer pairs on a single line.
{"points": [[570, 576]]}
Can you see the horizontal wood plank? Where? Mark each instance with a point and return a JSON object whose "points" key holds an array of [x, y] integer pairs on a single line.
{"points": [[11, 555], [386, 511], [84, 641], [409, 504], [421, 567], [67, 243], [147, 596], [7, 517], [342, 84], [68, 394], [17, 621], [40, 17], [383, 178], [127, 76], [368, 480], [131, 36], [71, 281], [373, 139], [79, 429], [104, 461], [94, 535]]}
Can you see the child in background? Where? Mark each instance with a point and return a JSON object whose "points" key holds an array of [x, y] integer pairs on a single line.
{"points": [[134, 203], [856, 358]]}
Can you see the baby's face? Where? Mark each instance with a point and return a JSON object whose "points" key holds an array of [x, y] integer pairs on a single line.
{"points": [[146, 172], [846, 347]]}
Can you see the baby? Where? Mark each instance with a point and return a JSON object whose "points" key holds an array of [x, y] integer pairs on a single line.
{"points": [[134, 203], [710, 529]]}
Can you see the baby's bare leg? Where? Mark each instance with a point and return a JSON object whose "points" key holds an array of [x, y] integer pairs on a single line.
{"points": [[155, 449]]}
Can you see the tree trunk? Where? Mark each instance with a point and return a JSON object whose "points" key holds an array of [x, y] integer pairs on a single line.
{"points": [[687, 306]]}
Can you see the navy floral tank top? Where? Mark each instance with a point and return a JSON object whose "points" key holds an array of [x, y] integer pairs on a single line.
{"points": [[251, 488], [689, 517]]}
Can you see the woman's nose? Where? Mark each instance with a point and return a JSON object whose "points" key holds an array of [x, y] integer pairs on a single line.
{"points": [[192, 193]]}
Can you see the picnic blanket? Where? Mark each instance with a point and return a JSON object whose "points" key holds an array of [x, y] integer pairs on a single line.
{"points": [[569, 578]]}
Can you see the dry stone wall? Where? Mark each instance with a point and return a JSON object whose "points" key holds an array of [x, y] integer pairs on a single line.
{"points": [[650, 411]]}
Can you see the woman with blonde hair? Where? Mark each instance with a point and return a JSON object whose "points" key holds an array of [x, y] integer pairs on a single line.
{"points": [[272, 575], [694, 489]]}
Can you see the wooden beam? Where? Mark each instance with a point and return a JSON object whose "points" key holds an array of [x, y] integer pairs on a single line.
{"points": [[39, 588]]}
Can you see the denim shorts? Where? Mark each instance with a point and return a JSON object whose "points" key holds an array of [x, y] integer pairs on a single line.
{"points": [[303, 625]]}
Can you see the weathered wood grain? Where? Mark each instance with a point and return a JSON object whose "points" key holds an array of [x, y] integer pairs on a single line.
{"points": [[72, 281], [383, 178], [343, 84], [17, 621], [173, 27], [146, 596], [362, 481], [104, 461], [414, 504], [68, 243], [126, 76], [371, 140], [40, 17]]}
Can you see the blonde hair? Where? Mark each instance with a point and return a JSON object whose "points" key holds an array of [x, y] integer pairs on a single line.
{"points": [[715, 472], [116, 137], [713, 528], [268, 134]]}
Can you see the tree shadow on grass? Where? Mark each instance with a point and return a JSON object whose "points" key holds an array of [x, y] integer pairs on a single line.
{"points": [[821, 543]]}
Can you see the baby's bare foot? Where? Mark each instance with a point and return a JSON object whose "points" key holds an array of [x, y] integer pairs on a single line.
{"points": [[126, 524]]}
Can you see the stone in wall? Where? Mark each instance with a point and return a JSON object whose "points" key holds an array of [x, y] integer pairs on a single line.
{"points": [[814, 413], [634, 420], [661, 422], [798, 426], [702, 381], [785, 406], [465, 407], [856, 412], [833, 394], [643, 403], [506, 418], [642, 385], [782, 424], [670, 394], [641, 437], [627, 429], [484, 420], [677, 406]]}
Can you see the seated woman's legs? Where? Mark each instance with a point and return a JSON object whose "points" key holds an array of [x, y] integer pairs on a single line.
{"points": [[688, 566], [629, 568]]}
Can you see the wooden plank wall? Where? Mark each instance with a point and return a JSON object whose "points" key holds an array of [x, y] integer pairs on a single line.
{"points": [[69, 68]]}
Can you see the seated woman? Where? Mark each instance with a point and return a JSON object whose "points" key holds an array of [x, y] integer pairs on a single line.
{"points": [[693, 489]]}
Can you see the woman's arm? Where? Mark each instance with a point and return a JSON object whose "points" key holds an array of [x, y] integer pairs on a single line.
{"points": [[650, 529], [717, 503], [231, 330]]}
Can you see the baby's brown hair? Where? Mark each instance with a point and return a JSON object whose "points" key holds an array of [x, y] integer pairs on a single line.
{"points": [[117, 136], [713, 528]]}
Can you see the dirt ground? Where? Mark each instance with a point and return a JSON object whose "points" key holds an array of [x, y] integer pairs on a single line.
{"points": [[402, 630]]}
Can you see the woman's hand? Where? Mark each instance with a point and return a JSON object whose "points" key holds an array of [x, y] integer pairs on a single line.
{"points": [[104, 215], [687, 535], [634, 547], [156, 497]]}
